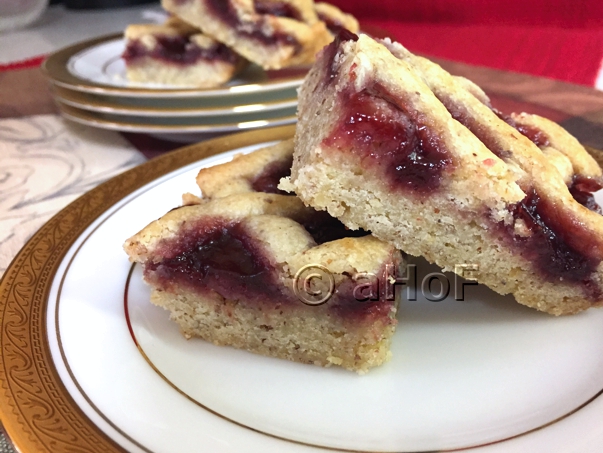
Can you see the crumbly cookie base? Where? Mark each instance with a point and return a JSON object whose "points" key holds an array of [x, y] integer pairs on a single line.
{"points": [[201, 74], [291, 333], [436, 228]]}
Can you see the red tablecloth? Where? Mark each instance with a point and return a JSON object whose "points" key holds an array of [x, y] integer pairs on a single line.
{"points": [[561, 39]]}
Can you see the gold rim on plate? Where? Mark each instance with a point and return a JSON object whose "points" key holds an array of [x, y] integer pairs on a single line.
{"points": [[36, 409], [56, 69]]}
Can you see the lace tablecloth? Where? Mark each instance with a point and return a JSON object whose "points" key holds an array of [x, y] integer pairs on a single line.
{"points": [[5, 447], [45, 163]]}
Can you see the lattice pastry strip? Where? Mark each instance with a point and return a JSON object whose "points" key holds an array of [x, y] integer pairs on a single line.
{"points": [[335, 19]]}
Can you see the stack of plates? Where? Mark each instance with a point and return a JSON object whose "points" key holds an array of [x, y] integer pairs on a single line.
{"points": [[90, 87]]}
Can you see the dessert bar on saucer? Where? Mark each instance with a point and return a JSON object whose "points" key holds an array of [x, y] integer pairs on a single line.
{"points": [[175, 53], [231, 266]]}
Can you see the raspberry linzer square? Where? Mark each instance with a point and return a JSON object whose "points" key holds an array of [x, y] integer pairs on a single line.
{"points": [[272, 34], [225, 267], [390, 142], [176, 53]]}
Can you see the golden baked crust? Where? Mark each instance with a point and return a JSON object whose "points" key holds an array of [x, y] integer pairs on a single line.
{"points": [[489, 195], [171, 27], [272, 41], [559, 140], [302, 9], [238, 175], [285, 235], [334, 18]]}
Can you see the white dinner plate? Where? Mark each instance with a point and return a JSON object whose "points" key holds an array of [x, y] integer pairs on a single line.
{"points": [[96, 66], [87, 360]]}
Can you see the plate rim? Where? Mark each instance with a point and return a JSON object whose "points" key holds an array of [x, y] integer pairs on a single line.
{"points": [[89, 118], [71, 97], [37, 412], [55, 68]]}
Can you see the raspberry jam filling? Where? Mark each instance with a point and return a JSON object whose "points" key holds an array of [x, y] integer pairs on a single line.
{"points": [[215, 255], [177, 49], [353, 303], [262, 31], [332, 24], [330, 52], [268, 180], [561, 247], [536, 136], [325, 228], [391, 139], [321, 226], [279, 9], [582, 189]]}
